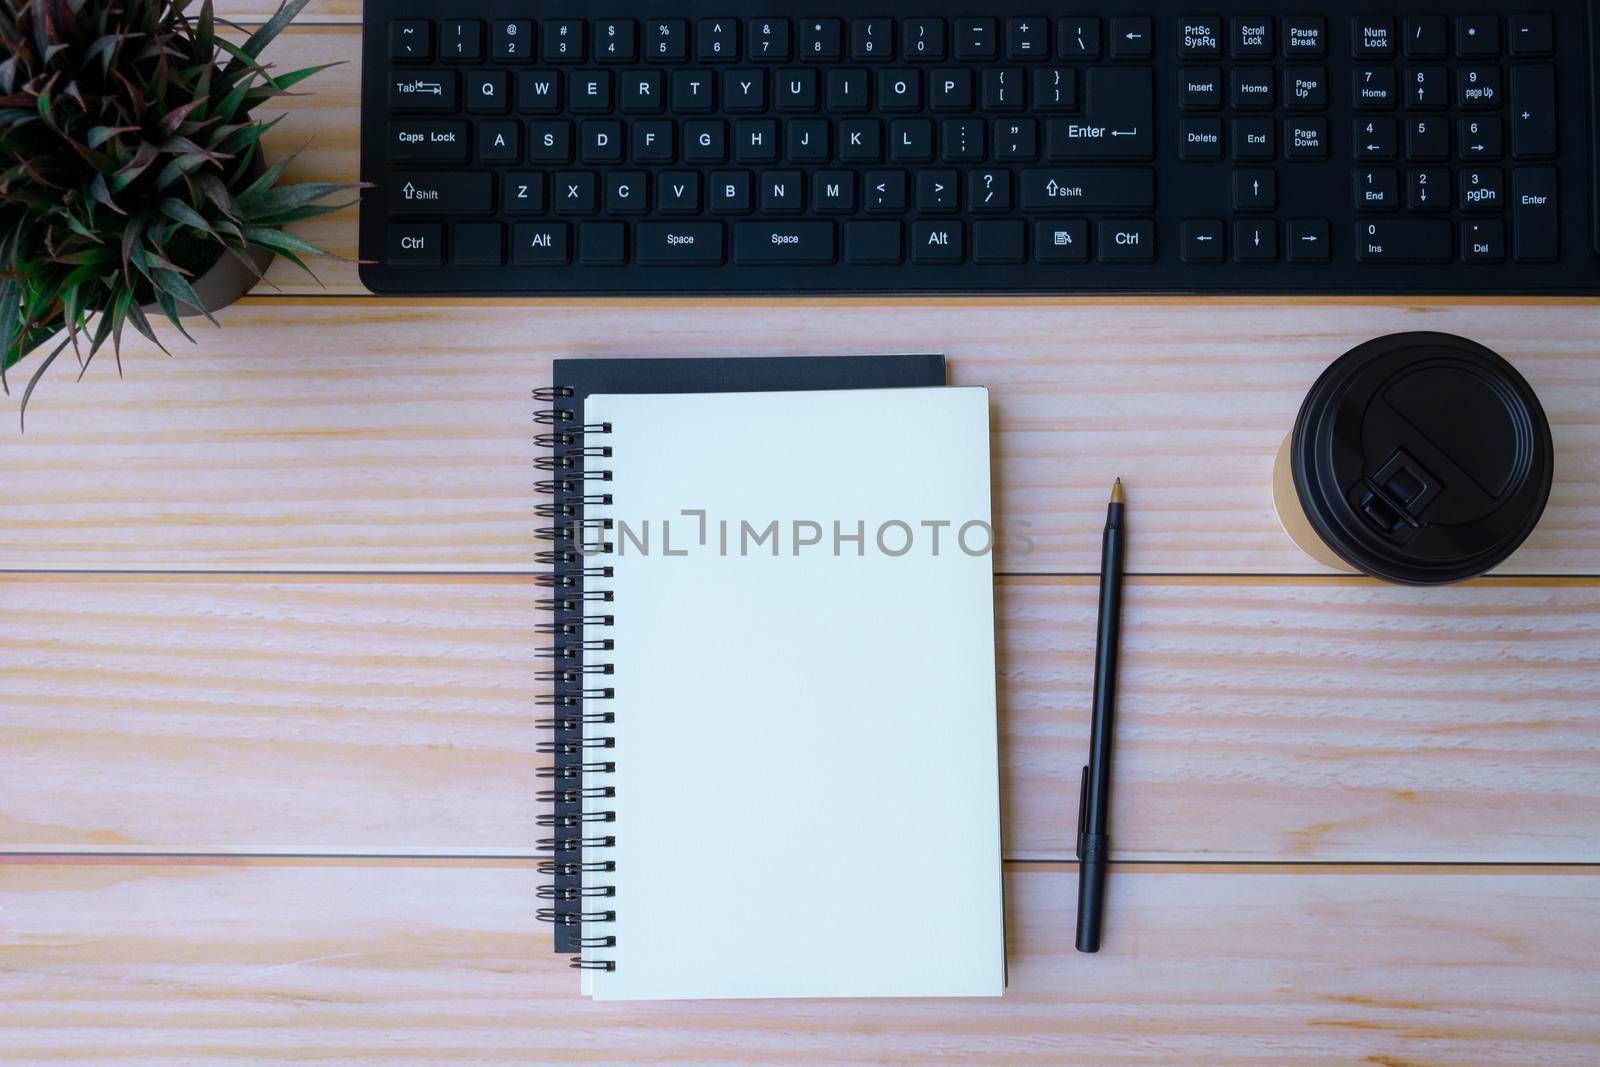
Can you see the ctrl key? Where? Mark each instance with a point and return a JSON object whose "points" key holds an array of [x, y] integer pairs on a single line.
{"points": [[418, 244]]}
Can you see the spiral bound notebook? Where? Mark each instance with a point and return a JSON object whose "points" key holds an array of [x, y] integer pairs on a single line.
{"points": [[774, 730]]}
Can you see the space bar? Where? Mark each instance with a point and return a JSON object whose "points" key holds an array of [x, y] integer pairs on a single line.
{"points": [[783, 242]]}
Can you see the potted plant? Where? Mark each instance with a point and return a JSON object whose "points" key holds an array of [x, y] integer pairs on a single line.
{"points": [[131, 177]]}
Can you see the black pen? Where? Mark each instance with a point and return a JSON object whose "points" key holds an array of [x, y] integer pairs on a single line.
{"points": [[1094, 798]]}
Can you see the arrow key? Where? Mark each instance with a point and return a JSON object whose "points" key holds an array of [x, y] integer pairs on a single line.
{"points": [[1255, 190], [1202, 240], [1308, 241], [1480, 138], [1255, 241], [1131, 38]]}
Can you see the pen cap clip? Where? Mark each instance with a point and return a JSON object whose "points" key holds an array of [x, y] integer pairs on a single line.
{"points": [[1083, 809]]}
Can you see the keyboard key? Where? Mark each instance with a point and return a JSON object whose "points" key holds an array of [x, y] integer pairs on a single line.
{"points": [[417, 244], [1078, 38], [666, 40], [924, 41], [1201, 241], [1255, 189], [716, 40], [1255, 241], [678, 244], [1131, 38], [1478, 88], [1480, 138], [1483, 241], [873, 243], [549, 142], [1375, 89], [511, 40], [1305, 139], [1200, 139], [477, 244], [1055, 89], [989, 190], [768, 40], [1026, 39], [938, 192], [1125, 241], [1372, 36], [433, 90], [538, 91], [410, 40], [487, 91], [1200, 38], [1119, 109], [1425, 37], [1252, 139], [937, 243], [1308, 241], [627, 192], [1377, 190], [1004, 89], [730, 192], [1061, 241], [1426, 89], [1087, 188], [783, 242], [885, 191], [1250, 37], [1482, 189], [563, 41], [976, 39], [427, 142], [574, 193], [539, 244], [822, 39], [461, 41], [1532, 35], [871, 41], [616, 40], [1533, 112], [450, 193], [589, 92], [692, 91], [782, 191], [678, 191], [1477, 35], [524, 193], [1199, 88], [833, 192], [1403, 241], [1535, 232], [603, 244], [1428, 189], [1252, 88], [1305, 36], [1427, 139], [999, 242], [1305, 88], [1376, 139]]}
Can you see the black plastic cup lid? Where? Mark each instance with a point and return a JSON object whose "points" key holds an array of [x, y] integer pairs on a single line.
{"points": [[1422, 458]]}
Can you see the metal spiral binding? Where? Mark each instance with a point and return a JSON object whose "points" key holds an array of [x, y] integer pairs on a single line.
{"points": [[575, 738]]}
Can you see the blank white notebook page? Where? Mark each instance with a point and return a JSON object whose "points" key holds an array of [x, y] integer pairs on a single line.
{"points": [[807, 783]]}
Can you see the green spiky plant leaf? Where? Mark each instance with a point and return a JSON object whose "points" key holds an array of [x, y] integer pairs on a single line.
{"points": [[129, 165]]}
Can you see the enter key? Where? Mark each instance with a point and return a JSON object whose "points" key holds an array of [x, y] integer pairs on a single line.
{"points": [[1116, 122]]}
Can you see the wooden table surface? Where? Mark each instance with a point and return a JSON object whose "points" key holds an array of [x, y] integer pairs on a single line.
{"points": [[266, 743]]}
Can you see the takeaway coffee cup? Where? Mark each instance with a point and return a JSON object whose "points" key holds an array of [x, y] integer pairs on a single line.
{"points": [[1419, 458]]}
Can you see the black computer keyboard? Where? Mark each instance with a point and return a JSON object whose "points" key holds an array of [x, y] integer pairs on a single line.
{"points": [[1350, 146]]}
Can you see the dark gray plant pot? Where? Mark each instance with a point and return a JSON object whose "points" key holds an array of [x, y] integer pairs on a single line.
{"points": [[226, 281]]}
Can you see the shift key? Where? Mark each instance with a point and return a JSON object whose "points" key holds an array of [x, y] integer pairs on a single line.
{"points": [[460, 193]]}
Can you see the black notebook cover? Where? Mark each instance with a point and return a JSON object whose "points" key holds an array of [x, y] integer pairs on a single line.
{"points": [[576, 675]]}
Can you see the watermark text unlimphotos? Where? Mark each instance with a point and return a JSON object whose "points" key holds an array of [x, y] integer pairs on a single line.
{"points": [[694, 531]]}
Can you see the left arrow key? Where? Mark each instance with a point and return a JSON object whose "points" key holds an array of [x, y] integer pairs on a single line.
{"points": [[459, 193]]}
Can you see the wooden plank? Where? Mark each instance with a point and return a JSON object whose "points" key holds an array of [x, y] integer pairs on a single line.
{"points": [[394, 435], [243, 961], [1261, 720]]}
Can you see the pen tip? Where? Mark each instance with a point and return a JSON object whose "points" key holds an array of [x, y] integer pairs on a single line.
{"points": [[1116, 492]]}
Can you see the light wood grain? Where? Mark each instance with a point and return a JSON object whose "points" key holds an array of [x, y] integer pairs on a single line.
{"points": [[1266, 721], [305, 435], [142, 964]]}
